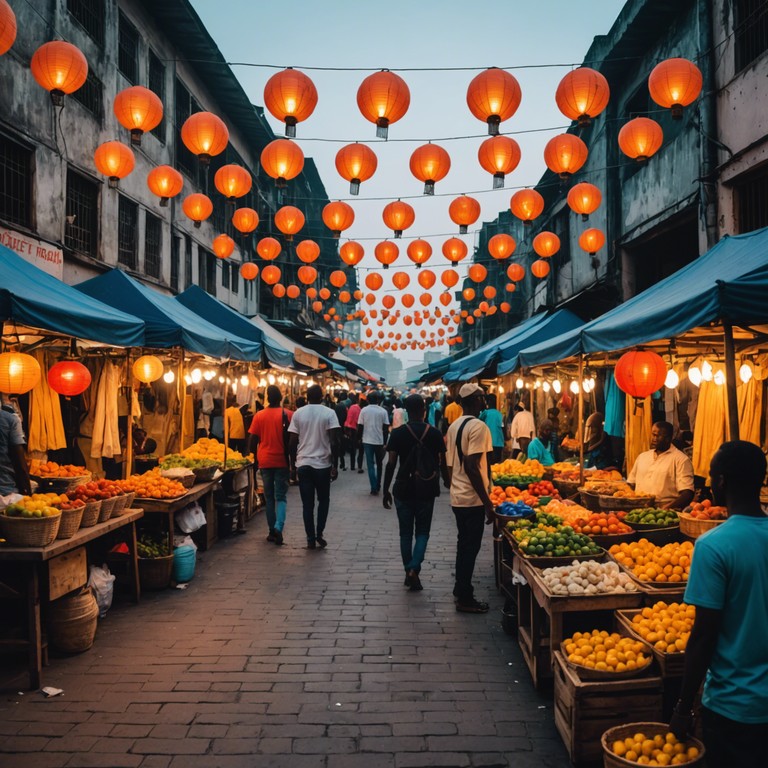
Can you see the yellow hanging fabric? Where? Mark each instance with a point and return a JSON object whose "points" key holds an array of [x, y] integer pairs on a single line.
{"points": [[188, 427], [709, 432], [750, 397], [46, 426], [106, 433], [638, 437]]}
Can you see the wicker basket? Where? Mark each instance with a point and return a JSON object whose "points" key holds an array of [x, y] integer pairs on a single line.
{"points": [[606, 541], [130, 497], [155, 572], [72, 622], [625, 503], [71, 520], [586, 673], [621, 732], [91, 513], [566, 488], [121, 502], [204, 474], [186, 480], [29, 531], [694, 527], [59, 484], [590, 500], [107, 507]]}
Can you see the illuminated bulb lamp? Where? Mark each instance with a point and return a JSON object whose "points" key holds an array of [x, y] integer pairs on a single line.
{"points": [[672, 379], [165, 182], [540, 268], [383, 98], [60, 68], [499, 156], [694, 375], [233, 181], [249, 271], [356, 163], [454, 249], [557, 386], [245, 220], [169, 377], [139, 110], [582, 95], [223, 246], [719, 377], [584, 198], [674, 84], [493, 96], [640, 373], [338, 216], [69, 378], [419, 252], [707, 372], [7, 27], [197, 207], [565, 154], [526, 205], [204, 135], [291, 97], [546, 244], [270, 274], [386, 253], [398, 216], [640, 139], [289, 220], [430, 163], [308, 251], [745, 373], [197, 375], [115, 160], [283, 160], [148, 368], [574, 387]]}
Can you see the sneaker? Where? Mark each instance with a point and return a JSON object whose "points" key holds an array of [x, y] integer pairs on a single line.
{"points": [[271, 536], [311, 544], [360, 471], [415, 581], [374, 492], [321, 542], [278, 538], [473, 606], [407, 582]]}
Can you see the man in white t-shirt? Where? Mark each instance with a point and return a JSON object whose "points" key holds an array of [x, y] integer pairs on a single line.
{"points": [[468, 442], [314, 443], [522, 429], [373, 428]]}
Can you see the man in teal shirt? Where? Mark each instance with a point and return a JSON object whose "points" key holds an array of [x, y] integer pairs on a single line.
{"points": [[495, 422], [540, 448], [728, 584]]}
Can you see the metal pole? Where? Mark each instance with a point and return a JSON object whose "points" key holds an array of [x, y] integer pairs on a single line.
{"points": [[581, 420], [730, 382]]}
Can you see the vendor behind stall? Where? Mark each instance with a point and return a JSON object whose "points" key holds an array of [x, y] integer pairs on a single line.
{"points": [[664, 472], [541, 448], [597, 445], [14, 476]]}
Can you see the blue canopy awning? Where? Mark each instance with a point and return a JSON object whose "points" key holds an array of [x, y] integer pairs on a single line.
{"points": [[168, 323], [32, 297]]}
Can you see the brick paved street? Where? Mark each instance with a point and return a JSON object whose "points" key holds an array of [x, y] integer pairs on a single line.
{"points": [[288, 657]]}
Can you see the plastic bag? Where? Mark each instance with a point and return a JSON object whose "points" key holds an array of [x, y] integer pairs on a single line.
{"points": [[191, 518], [102, 582], [183, 541]]}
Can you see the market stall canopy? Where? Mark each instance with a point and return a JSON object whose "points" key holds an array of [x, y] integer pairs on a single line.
{"points": [[168, 323], [728, 281], [34, 298], [210, 308], [303, 358]]}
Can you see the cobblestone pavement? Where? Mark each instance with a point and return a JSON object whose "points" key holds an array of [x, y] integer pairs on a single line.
{"points": [[298, 658]]}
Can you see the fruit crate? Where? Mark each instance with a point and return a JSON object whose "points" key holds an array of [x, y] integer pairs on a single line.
{"points": [[584, 710], [670, 664]]}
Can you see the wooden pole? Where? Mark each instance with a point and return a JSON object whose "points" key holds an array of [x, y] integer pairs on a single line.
{"points": [[127, 467], [181, 392], [581, 420], [730, 382]]}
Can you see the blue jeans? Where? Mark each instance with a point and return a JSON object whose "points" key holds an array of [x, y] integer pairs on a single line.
{"points": [[275, 494], [415, 518], [374, 458], [314, 482]]}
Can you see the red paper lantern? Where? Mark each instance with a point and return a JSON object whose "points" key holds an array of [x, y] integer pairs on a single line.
{"points": [[249, 271], [540, 268], [289, 220], [430, 163], [565, 154], [69, 378], [464, 211], [205, 135], [270, 274], [223, 246], [165, 182], [493, 96], [338, 216], [233, 181], [419, 252], [499, 155], [584, 198], [454, 249], [383, 98], [501, 246], [526, 205], [290, 96], [449, 278], [546, 244], [674, 84], [515, 272], [115, 160], [268, 248], [245, 220], [582, 95], [7, 27], [386, 253], [308, 251], [351, 253], [356, 163], [60, 68], [641, 138], [591, 240], [139, 110], [283, 160], [197, 207], [640, 373], [398, 216]]}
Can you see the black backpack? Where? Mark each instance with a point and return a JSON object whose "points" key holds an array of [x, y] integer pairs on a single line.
{"points": [[418, 476]]}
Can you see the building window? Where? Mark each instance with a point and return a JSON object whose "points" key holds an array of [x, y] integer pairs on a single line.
{"points": [[15, 182], [206, 270], [156, 80], [128, 50], [752, 196], [90, 95], [235, 280], [90, 15], [187, 261], [185, 106], [127, 226], [751, 31], [82, 229], [175, 262], [225, 275], [153, 245]]}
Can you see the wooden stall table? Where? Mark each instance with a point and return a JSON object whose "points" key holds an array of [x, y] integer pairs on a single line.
{"points": [[63, 563]]}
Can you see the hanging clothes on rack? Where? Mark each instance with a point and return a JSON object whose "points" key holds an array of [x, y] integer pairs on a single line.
{"points": [[46, 426]]}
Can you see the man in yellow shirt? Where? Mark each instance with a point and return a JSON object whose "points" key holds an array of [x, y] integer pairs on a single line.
{"points": [[235, 426], [453, 410]]}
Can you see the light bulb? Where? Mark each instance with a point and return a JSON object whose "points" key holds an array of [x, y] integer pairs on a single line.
{"points": [[209, 374], [536, 384], [575, 387], [271, 378], [745, 373], [694, 375], [672, 379], [262, 383], [196, 376], [719, 378], [557, 386], [546, 386], [501, 390], [187, 379], [221, 379], [169, 377], [706, 371], [519, 383], [244, 380], [234, 387]]}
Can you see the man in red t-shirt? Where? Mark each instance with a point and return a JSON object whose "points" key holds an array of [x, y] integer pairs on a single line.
{"points": [[269, 437]]}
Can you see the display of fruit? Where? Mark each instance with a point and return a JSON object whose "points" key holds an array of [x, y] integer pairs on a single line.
{"points": [[514, 509], [649, 562], [564, 466], [152, 485], [519, 472], [606, 487], [541, 541], [665, 626], [67, 505], [541, 519], [659, 518], [95, 490], [587, 578], [500, 494], [210, 448], [176, 460], [150, 545], [661, 749], [570, 443], [52, 469], [602, 524], [543, 488], [29, 507], [606, 652], [705, 510], [567, 511]]}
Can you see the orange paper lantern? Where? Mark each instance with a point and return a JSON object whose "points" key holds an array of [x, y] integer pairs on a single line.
{"points": [[540, 268], [640, 373], [674, 84], [317, 306], [445, 299], [546, 244], [291, 97], [454, 249], [7, 27], [419, 252], [337, 278], [641, 138], [306, 274], [526, 205], [283, 160], [477, 273], [345, 297], [60, 68], [582, 95], [493, 96], [565, 154], [115, 160], [388, 301], [386, 253], [383, 98], [165, 182], [324, 293], [468, 294], [499, 155], [69, 378], [464, 211], [398, 216], [278, 291], [401, 280], [449, 278], [223, 246], [249, 271], [510, 287], [148, 368], [515, 272], [356, 163], [245, 220], [501, 246], [373, 281], [268, 248], [591, 240], [505, 306], [584, 198], [311, 292], [430, 163], [427, 279], [139, 110], [197, 207], [425, 299], [407, 300], [351, 253], [205, 135], [489, 292], [289, 220], [338, 216], [233, 181], [308, 251]]}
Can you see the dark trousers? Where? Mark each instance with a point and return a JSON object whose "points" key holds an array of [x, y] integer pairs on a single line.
{"points": [[470, 522], [354, 447], [731, 744], [415, 520], [314, 482], [496, 455]]}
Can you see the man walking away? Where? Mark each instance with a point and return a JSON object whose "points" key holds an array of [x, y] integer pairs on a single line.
{"points": [[350, 429], [468, 443], [420, 449], [372, 429], [522, 430], [341, 415], [314, 444]]}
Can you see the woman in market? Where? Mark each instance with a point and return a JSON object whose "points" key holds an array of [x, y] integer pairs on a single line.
{"points": [[597, 446], [540, 448]]}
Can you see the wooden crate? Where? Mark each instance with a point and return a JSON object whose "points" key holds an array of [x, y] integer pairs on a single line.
{"points": [[584, 710], [670, 664], [67, 572]]}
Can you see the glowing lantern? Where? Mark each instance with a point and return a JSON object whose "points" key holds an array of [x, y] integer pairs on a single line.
{"points": [[69, 378], [493, 96], [373, 281], [510, 287], [165, 182], [477, 273], [245, 220], [505, 307], [351, 253], [427, 279], [249, 271], [464, 211], [640, 373], [449, 278], [383, 98], [584, 198], [445, 298], [546, 245], [197, 207], [205, 135], [311, 293], [454, 249], [526, 205], [270, 274], [317, 306], [674, 84], [591, 240], [19, 373], [468, 294], [430, 163], [308, 251], [386, 253], [283, 160], [358, 294], [489, 292], [233, 181], [400, 280], [148, 368], [345, 297], [425, 299], [139, 110], [388, 301], [540, 268], [289, 220], [582, 95], [482, 308], [291, 97], [641, 138], [398, 216], [223, 246], [501, 246], [356, 163], [115, 160], [419, 252], [324, 293], [7, 27], [268, 248], [499, 155], [565, 154], [60, 68], [407, 300], [337, 278], [515, 272], [278, 291], [338, 216]]}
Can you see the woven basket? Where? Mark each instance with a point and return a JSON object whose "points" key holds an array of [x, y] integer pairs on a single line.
{"points": [[204, 474], [72, 622], [586, 673], [107, 507], [590, 500], [625, 503], [621, 732], [693, 527], [566, 488], [59, 484], [29, 531], [155, 572], [71, 520], [186, 480], [120, 504], [91, 513], [130, 496]]}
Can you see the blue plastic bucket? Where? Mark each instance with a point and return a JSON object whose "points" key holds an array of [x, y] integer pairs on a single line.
{"points": [[184, 559]]}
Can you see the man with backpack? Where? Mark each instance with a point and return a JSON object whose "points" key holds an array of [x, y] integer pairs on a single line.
{"points": [[420, 450]]}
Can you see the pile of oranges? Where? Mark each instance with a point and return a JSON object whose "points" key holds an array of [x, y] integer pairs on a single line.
{"points": [[606, 652], [52, 469], [649, 562], [499, 495], [602, 523], [661, 749], [152, 485], [665, 626]]}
